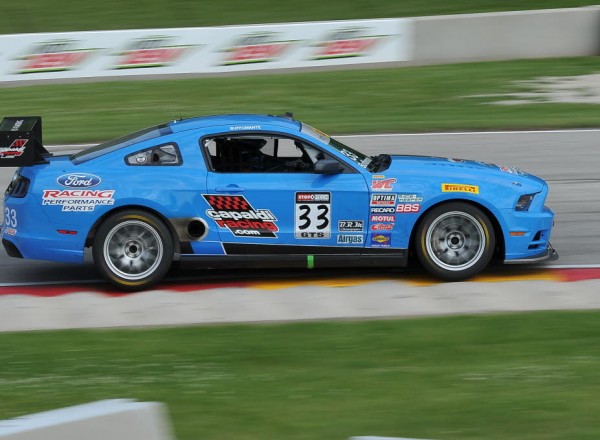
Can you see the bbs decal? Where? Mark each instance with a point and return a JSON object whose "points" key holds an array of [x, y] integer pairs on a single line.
{"points": [[312, 217]]}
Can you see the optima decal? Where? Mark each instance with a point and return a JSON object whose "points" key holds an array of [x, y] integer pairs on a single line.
{"points": [[80, 200], [383, 200], [237, 215], [459, 187]]}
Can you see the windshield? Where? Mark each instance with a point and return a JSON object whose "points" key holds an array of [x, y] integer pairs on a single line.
{"points": [[121, 142], [358, 157]]}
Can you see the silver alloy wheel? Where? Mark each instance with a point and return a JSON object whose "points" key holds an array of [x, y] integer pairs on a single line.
{"points": [[133, 250], [455, 240]]}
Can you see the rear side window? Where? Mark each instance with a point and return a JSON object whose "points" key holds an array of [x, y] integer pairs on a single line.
{"points": [[167, 154]]}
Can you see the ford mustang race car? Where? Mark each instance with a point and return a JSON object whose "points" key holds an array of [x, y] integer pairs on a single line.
{"points": [[261, 191]]}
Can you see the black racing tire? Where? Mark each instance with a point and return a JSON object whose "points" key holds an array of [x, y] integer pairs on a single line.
{"points": [[455, 241], [133, 249]]}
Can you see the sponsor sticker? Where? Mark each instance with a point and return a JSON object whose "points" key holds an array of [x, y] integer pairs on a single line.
{"points": [[382, 226], [78, 200], [237, 215], [460, 187], [383, 199], [78, 180], [382, 239], [312, 215], [244, 127], [16, 149], [383, 218], [409, 198], [350, 225], [10, 231], [383, 210], [380, 183], [350, 239], [408, 208]]}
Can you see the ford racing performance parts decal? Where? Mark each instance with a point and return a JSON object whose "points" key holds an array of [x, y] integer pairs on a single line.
{"points": [[79, 200], [237, 215], [78, 180], [312, 217], [459, 187]]}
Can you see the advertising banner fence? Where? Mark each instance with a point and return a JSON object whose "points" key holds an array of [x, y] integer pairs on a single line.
{"points": [[101, 54]]}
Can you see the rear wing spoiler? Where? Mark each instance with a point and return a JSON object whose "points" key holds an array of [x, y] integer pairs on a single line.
{"points": [[21, 141]]}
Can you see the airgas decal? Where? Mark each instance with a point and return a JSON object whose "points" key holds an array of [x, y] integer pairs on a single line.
{"points": [[237, 215]]}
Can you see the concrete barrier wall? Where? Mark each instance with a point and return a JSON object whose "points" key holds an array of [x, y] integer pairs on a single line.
{"points": [[507, 35], [118, 419]]}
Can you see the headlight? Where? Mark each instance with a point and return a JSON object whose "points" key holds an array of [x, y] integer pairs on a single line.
{"points": [[524, 202]]}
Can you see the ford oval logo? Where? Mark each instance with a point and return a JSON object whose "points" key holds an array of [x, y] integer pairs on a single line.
{"points": [[78, 180]]}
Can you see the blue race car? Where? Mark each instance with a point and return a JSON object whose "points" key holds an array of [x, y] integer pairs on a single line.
{"points": [[261, 191]]}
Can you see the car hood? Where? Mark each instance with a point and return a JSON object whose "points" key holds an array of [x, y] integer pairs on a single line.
{"points": [[451, 168]]}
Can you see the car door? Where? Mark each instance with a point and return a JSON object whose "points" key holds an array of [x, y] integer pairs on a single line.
{"points": [[273, 195]]}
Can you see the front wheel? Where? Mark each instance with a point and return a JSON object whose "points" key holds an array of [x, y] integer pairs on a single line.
{"points": [[133, 249], [455, 241]]}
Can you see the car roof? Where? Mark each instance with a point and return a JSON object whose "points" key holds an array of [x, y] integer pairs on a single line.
{"points": [[240, 121]]}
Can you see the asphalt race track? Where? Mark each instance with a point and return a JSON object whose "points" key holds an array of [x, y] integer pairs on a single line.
{"points": [[44, 295]]}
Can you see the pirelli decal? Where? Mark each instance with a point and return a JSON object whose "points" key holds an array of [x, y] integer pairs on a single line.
{"points": [[459, 188]]}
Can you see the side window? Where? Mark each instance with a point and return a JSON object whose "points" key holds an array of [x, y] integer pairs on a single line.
{"points": [[260, 154], [167, 154]]}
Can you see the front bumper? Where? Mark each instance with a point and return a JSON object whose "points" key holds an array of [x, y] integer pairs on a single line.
{"points": [[547, 255]]}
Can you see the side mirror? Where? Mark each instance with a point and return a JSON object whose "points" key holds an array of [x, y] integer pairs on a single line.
{"points": [[328, 166]]}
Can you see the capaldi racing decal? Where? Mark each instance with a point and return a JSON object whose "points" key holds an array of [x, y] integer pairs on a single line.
{"points": [[79, 200], [237, 215], [312, 217], [16, 149]]}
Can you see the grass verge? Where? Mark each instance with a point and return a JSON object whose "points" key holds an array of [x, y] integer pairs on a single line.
{"points": [[349, 101], [523, 376], [65, 15]]}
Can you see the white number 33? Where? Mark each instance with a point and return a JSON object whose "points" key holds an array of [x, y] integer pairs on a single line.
{"points": [[10, 218]]}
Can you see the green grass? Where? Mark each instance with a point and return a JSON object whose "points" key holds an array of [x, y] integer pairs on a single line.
{"points": [[524, 376], [349, 101], [65, 15]]}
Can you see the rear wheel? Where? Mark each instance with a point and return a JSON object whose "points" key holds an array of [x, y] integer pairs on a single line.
{"points": [[455, 241], [133, 249]]}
